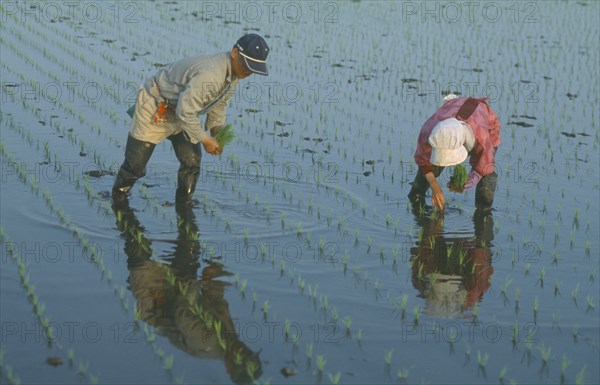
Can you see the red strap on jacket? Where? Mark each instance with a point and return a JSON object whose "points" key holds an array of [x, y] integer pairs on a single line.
{"points": [[162, 114]]}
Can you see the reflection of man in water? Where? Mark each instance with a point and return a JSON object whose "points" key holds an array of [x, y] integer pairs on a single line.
{"points": [[452, 273], [182, 307]]}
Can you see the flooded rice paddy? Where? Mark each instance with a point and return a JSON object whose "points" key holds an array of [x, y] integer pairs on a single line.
{"points": [[303, 261]]}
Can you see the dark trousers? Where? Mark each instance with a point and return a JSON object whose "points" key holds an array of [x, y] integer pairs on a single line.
{"points": [[137, 154], [484, 192]]}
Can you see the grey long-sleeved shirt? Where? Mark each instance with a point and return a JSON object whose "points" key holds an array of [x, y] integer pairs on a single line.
{"points": [[194, 86]]}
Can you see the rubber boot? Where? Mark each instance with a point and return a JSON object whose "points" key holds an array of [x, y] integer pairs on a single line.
{"points": [[485, 191], [137, 154], [189, 156]]}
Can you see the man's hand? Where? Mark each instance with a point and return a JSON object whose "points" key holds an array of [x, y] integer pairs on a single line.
{"points": [[211, 146]]}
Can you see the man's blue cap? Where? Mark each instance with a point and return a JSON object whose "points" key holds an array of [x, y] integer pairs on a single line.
{"points": [[254, 50]]}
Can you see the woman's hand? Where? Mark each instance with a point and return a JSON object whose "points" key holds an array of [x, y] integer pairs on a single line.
{"points": [[473, 179], [437, 195]]}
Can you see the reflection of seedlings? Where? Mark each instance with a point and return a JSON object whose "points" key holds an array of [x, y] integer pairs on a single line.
{"points": [[251, 368]]}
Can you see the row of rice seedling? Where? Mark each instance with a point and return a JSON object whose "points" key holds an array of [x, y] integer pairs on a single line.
{"points": [[95, 255]]}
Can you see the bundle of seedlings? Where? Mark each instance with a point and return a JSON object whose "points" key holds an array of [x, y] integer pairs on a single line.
{"points": [[458, 179], [225, 135]]}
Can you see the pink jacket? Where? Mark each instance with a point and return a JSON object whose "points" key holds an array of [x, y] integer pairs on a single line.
{"points": [[480, 117]]}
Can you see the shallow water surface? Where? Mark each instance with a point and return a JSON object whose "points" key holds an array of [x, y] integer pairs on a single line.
{"points": [[303, 260]]}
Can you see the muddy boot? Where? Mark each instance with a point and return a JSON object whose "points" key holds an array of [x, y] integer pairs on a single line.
{"points": [[137, 154], [189, 156], [485, 191]]}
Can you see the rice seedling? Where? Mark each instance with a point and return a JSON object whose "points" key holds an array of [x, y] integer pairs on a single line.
{"points": [[482, 360], [502, 374], [387, 358], [574, 294], [335, 379], [556, 288], [416, 314], [580, 376], [545, 354], [309, 351], [541, 278], [168, 362], [590, 303], [321, 361], [347, 323], [505, 285], [564, 364]]}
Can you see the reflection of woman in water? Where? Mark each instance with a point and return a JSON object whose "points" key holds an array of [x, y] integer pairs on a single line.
{"points": [[452, 274], [191, 312]]}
